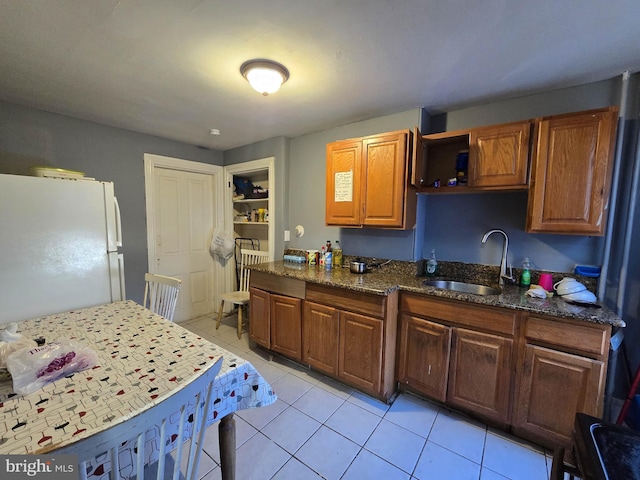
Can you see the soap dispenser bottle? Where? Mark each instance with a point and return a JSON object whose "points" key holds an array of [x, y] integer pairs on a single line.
{"points": [[525, 278], [432, 264]]}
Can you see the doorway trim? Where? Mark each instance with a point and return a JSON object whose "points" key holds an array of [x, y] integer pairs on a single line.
{"points": [[153, 161]]}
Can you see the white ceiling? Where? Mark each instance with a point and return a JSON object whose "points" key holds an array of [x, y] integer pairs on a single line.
{"points": [[171, 68]]}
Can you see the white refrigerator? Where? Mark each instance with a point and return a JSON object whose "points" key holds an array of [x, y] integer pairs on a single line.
{"points": [[59, 242]]}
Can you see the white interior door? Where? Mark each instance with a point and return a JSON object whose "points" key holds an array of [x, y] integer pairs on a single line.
{"points": [[180, 224]]}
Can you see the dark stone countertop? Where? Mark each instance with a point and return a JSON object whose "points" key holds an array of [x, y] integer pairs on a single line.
{"points": [[403, 276]]}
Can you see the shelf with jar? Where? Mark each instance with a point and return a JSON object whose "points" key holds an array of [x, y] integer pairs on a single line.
{"points": [[254, 216]]}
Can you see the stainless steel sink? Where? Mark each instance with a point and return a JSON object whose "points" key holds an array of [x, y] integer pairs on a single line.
{"points": [[463, 287]]}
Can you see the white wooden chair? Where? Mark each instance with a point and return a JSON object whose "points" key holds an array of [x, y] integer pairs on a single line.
{"points": [[161, 294], [191, 404], [241, 296]]}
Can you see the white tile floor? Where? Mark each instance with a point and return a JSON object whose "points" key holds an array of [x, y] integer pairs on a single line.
{"points": [[320, 428]]}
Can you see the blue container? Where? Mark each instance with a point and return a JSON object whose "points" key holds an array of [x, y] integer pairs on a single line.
{"points": [[587, 271]]}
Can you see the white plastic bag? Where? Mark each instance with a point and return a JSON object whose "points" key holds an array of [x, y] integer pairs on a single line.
{"points": [[11, 341], [31, 369], [222, 243]]}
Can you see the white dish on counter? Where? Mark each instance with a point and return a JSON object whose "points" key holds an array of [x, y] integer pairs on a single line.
{"points": [[568, 286], [584, 296]]}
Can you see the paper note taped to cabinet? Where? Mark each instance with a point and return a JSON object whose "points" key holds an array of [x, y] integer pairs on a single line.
{"points": [[343, 191]]}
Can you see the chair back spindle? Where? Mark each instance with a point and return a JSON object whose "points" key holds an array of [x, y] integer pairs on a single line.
{"points": [[161, 294]]}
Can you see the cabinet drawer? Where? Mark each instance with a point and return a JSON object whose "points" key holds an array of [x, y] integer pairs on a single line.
{"points": [[450, 312], [365, 303], [590, 339], [272, 283]]}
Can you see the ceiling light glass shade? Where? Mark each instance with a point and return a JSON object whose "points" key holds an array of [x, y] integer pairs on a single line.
{"points": [[264, 76]]}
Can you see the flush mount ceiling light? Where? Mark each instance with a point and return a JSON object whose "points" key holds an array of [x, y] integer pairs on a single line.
{"points": [[265, 76]]}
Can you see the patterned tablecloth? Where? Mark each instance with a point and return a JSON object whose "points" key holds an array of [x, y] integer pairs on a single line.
{"points": [[142, 359]]}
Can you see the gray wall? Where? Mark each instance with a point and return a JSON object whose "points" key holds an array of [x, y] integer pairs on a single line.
{"points": [[279, 148], [307, 193], [33, 137]]}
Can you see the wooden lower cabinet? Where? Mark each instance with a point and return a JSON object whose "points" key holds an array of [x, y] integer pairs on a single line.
{"points": [[553, 388], [286, 326], [320, 333], [344, 344], [445, 355], [564, 364], [526, 373], [480, 373], [276, 322], [351, 336], [360, 353], [423, 360], [260, 317]]}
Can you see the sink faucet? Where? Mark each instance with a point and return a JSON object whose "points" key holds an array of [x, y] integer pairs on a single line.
{"points": [[503, 262]]}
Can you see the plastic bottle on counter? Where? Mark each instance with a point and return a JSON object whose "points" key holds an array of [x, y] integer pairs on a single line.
{"points": [[432, 264], [322, 255], [337, 255], [328, 246], [328, 259], [525, 278]]}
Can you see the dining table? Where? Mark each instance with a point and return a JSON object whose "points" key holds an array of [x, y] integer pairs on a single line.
{"points": [[143, 362]]}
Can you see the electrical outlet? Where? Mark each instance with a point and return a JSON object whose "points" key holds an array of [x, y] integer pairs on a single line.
{"points": [[287, 235]]}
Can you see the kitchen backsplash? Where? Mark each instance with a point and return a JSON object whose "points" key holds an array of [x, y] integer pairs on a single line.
{"points": [[465, 272]]}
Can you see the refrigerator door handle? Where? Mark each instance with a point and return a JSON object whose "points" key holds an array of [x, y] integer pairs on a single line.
{"points": [[116, 274], [118, 222]]}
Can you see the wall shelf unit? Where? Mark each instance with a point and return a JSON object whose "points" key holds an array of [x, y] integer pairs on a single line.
{"points": [[259, 173]]}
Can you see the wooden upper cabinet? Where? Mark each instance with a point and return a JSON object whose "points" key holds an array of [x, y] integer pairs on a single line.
{"points": [[571, 173], [344, 181], [418, 164], [498, 158], [499, 155], [385, 179], [367, 182]]}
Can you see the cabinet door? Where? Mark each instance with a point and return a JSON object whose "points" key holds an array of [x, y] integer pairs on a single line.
{"points": [[385, 180], [480, 373], [286, 326], [360, 354], [571, 173], [260, 321], [320, 330], [499, 155], [424, 356], [553, 388], [343, 202], [418, 156]]}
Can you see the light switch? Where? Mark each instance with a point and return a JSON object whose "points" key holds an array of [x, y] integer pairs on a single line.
{"points": [[287, 235]]}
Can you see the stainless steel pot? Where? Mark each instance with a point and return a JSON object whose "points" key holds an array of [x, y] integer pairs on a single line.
{"points": [[358, 266]]}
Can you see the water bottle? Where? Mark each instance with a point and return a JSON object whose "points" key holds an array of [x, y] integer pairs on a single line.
{"points": [[525, 278], [432, 264]]}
